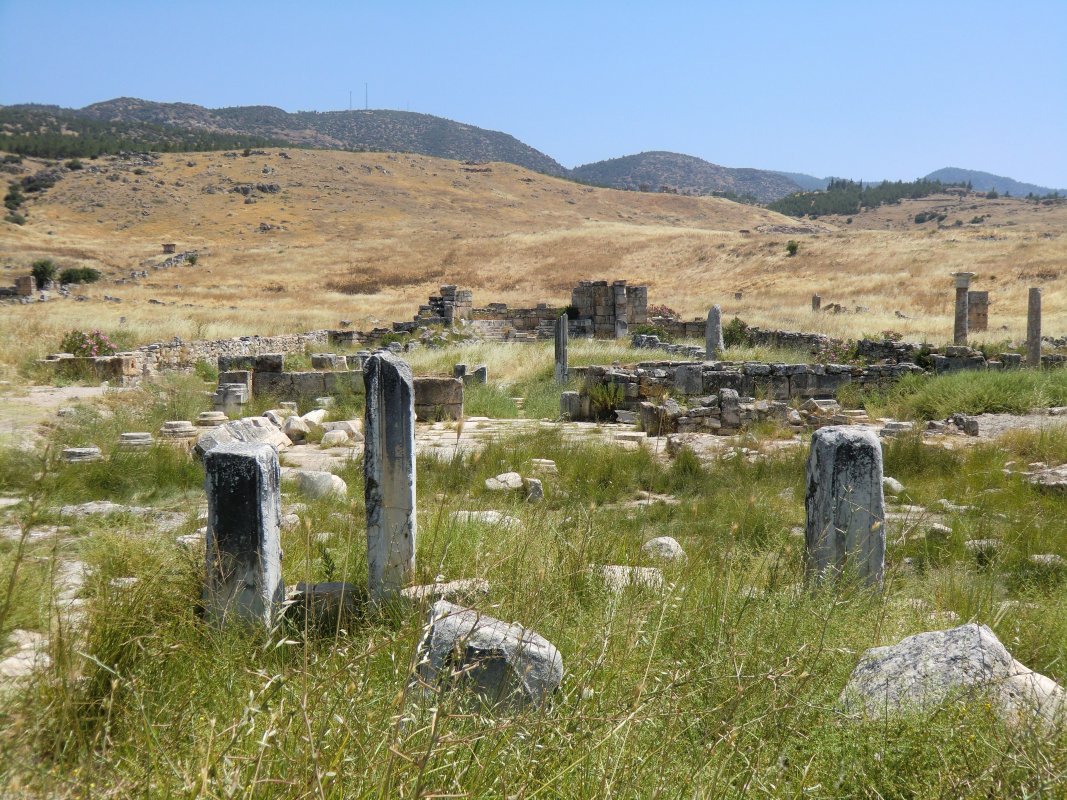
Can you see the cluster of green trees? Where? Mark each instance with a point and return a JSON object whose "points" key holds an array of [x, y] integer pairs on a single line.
{"points": [[850, 197], [55, 134]]}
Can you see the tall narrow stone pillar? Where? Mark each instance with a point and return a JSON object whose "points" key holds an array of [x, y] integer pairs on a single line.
{"points": [[1033, 328], [960, 328], [243, 566], [389, 473], [816, 302], [713, 342], [562, 338], [845, 508]]}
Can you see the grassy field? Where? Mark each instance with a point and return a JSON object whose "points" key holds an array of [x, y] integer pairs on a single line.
{"points": [[722, 685], [367, 237]]}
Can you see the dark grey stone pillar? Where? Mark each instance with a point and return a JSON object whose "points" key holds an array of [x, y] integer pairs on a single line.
{"points": [[562, 336], [389, 473], [1033, 328], [243, 567], [961, 324], [713, 341], [845, 507]]}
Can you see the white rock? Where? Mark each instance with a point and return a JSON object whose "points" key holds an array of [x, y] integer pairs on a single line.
{"points": [[352, 427], [619, 577], [289, 521], [923, 671], [664, 548], [504, 482], [296, 429], [892, 485], [462, 590], [334, 439], [315, 417], [315, 483]]}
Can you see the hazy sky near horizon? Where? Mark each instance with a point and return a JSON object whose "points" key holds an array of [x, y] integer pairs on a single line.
{"points": [[856, 89]]}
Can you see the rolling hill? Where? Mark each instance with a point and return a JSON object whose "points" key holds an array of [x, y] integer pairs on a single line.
{"points": [[656, 170], [986, 181]]}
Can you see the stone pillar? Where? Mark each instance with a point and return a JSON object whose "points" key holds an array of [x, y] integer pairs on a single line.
{"points": [[562, 336], [713, 343], [243, 567], [389, 473], [960, 328], [845, 508], [1033, 328], [816, 302], [622, 310]]}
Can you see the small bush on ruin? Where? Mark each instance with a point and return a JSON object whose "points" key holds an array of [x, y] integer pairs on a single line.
{"points": [[735, 333], [43, 270], [88, 343]]}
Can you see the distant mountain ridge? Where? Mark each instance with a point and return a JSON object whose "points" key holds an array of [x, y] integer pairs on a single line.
{"points": [[399, 131], [658, 169], [986, 181]]}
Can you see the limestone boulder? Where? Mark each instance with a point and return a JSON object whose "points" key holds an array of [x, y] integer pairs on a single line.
{"points": [[926, 670], [249, 429], [505, 481], [491, 518], [664, 548], [336, 438], [503, 663], [316, 484], [314, 418], [352, 427], [296, 429]]}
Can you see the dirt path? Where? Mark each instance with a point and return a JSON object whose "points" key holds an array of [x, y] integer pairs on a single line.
{"points": [[23, 409]]}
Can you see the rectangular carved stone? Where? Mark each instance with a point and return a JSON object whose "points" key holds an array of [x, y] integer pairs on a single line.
{"points": [[389, 473], [243, 566], [438, 398]]}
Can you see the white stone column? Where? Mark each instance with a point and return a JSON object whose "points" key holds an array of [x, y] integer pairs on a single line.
{"points": [[962, 319], [389, 473]]}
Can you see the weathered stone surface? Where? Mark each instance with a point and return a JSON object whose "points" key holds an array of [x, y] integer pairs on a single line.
{"points": [[165, 521], [249, 429], [317, 483], [438, 398], [544, 466], [326, 607], [617, 577], [296, 429], [713, 341], [664, 548], [352, 427], [335, 438], [505, 481], [535, 490], [389, 473], [892, 485], [924, 671], [458, 591], [844, 505], [314, 418], [562, 335], [494, 518], [80, 455], [503, 663], [243, 565]]}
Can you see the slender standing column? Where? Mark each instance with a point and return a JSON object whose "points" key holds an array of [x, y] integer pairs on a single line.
{"points": [[243, 566], [562, 336], [816, 302], [959, 330], [713, 342], [1033, 328], [844, 504], [389, 473]]}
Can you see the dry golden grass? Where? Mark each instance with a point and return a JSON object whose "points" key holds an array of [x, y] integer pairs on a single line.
{"points": [[398, 226]]}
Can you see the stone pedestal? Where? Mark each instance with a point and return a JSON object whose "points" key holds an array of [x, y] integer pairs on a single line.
{"points": [[962, 319], [1033, 328], [713, 341], [243, 568], [845, 508], [389, 473]]}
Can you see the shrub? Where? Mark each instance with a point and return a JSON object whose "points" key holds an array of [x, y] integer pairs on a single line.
{"points": [[74, 164], [662, 311], [735, 333], [791, 247], [191, 260], [79, 275], [43, 270], [14, 197], [15, 218], [88, 343]]}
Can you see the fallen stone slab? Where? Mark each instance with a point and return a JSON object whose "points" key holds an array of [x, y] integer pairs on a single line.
{"points": [[337, 438], [503, 663], [924, 671], [494, 518], [1052, 479], [457, 591], [166, 520], [29, 654]]}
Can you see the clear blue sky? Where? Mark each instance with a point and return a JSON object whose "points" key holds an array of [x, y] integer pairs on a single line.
{"points": [[860, 89]]}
